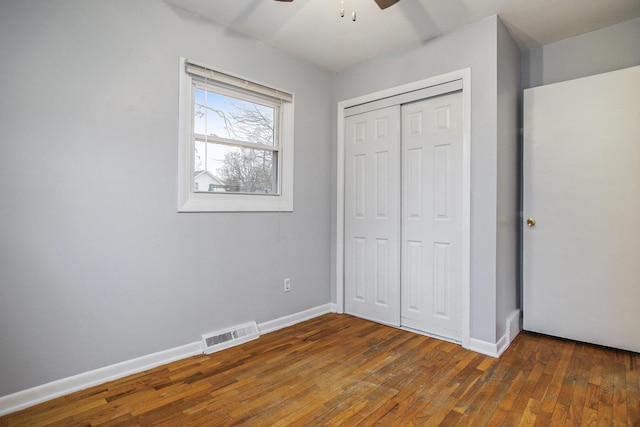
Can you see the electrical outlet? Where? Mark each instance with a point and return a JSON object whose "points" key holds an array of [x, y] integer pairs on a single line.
{"points": [[287, 284]]}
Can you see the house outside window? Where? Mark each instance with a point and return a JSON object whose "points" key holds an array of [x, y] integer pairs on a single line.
{"points": [[236, 143]]}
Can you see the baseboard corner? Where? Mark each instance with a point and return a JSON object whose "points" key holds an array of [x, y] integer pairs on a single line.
{"points": [[292, 319], [514, 324]]}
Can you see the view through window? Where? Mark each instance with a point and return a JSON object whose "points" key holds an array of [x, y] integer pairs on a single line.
{"points": [[235, 145]]}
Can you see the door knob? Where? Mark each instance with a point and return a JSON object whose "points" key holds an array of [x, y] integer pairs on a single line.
{"points": [[531, 222]]}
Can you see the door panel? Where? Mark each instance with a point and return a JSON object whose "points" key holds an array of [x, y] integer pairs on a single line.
{"points": [[582, 186], [372, 215], [432, 215]]}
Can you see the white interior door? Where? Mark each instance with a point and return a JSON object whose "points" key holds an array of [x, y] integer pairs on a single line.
{"points": [[582, 187], [432, 215], [372, 215]]}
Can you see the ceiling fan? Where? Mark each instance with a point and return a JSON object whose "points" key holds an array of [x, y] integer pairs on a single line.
{"points": [[383, 4]]}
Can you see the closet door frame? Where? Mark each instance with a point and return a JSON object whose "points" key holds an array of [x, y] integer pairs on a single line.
{"points": [[422, 86]]}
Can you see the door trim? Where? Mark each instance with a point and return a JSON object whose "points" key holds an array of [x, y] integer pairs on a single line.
{"points": [[465, 76]]}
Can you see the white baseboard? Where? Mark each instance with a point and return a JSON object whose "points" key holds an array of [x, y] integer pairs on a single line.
{"points": [[489, 349], [483, 347], [292, 319], [495, 350], [514, 325], [42, 393]]}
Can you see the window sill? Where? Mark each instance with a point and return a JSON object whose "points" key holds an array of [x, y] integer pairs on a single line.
{"points": [[204, 202]]}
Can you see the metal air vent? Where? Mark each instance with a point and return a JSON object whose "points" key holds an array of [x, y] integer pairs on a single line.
{"points": [[219, 340]]}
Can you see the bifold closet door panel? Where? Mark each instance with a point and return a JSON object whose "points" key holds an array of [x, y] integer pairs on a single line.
{"points": [[372, 215], [432, 215]]}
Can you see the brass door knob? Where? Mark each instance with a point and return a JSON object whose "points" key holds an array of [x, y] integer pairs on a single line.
{"points": [[531, 222]]}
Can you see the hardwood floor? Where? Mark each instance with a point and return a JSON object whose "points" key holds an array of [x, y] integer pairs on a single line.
{"points": [[341, 370]]}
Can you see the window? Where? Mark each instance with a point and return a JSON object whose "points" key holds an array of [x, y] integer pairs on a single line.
{"points": [[235, 143]]}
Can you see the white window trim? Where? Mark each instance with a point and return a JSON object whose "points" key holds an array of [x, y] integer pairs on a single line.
{"points": [[191, 201]]}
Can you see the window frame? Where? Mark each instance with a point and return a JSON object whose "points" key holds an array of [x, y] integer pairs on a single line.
{"points": [[190, 200]]}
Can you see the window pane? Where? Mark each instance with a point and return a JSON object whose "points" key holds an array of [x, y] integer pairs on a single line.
{"points": [[233, 118], [222, 168]]}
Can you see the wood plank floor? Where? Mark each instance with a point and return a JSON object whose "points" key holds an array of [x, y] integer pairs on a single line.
{"points": [[340, 370]]}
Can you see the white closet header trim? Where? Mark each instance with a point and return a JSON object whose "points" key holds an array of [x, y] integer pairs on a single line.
{"points": [[404, 98]]}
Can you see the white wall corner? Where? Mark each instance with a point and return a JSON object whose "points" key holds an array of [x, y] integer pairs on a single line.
{"points": [[42, 393]]}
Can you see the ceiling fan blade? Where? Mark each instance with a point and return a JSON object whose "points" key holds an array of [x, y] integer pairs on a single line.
{"points": [[383, 4], [285, 0]]}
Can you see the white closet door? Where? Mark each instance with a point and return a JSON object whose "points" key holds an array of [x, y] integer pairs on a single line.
{"points": [[372, 215], [432, 215]]}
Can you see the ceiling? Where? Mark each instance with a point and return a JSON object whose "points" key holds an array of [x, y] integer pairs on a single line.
{"points": [[314, 30]]}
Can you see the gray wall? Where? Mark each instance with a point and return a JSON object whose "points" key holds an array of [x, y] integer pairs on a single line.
{"points": [[471, 46], [508, 180], [96, 265], [609, 49]]}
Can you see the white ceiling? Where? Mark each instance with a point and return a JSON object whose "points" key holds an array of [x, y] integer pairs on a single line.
{"points": [[314, 30]]}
